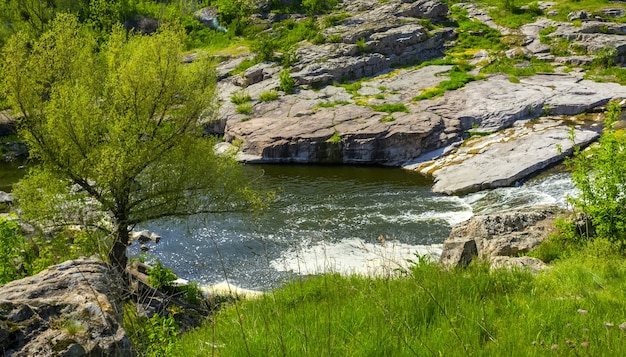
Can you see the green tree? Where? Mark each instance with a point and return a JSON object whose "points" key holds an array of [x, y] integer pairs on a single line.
{"points": [[116, 131], [600, 175]]}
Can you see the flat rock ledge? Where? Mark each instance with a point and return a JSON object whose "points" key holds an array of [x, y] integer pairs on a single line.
{"points": [[70, 309], [505, 157], [500, 238]]}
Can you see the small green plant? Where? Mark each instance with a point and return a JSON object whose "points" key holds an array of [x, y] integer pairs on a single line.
{"points": [[160, 277], [379, 96], [240, 97], [335, 38], [268, 95], [360, 43], [287, 83], [352, 88], [387, 119], [335, 138], [192, 293], [72, 326], [391, 108], [334, 20], [161, 336], [458, 79], [245, 108], [243, 66], [543, 34], [332, 104]]}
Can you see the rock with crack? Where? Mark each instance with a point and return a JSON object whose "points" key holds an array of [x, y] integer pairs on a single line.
{"points": [[503, 158], [70, 309], [347, 134], [496, 103], [501, 234]]}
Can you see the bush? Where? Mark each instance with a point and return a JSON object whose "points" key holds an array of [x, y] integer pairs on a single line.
{"points": [[268, 96], [160, 277], [600, 175], [11, 251], [391, 108], [287, 84], [240, 98], [244, 108]]}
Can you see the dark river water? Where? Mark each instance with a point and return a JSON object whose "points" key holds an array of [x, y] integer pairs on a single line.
{"points": [[346, 219]]}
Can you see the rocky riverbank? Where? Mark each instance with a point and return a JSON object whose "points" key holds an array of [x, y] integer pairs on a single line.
{"points": [[328, 122]]}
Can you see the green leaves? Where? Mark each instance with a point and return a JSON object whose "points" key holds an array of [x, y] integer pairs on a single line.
{"points": [[600, 175], [120, 125]]}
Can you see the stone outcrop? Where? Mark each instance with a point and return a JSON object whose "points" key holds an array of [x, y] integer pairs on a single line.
{"points": [[496, 103], [328, 122], [505, 157], [389, 33], [70, 309], [502, 234]]}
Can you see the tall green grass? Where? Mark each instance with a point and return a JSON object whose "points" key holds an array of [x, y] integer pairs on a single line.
{"points": [[574, 308]]}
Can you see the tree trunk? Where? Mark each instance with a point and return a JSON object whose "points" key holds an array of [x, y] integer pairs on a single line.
{"points": [[118, 256]]}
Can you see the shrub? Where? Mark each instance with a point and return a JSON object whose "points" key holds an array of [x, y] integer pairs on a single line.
{"points": [[240, 98], [160, 277], [287, 83], [268, 96], [391, 108], [244, 108], [13, 244], [600, 175]]}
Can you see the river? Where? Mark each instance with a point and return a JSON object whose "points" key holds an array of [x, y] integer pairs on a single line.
{"points": [[345, 219]]}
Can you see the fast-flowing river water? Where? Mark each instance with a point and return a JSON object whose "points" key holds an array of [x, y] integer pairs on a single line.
{"points": [[345, 219], [366, 220]]}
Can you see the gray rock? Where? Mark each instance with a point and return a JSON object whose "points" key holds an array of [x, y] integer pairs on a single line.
{"points": [[497, 103], [503, 158], [614, 12], [299, 133], [578, 15], [458, 252], [70, 309], [506, 233], [260, 72], [534, 265], [6, 198]]}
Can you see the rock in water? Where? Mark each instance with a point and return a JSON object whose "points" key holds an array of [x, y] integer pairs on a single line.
{"points": [[507, 233], [70, 309]]}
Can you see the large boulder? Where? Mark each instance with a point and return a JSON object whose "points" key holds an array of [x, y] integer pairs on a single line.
{"points": [[507, 233], [70, 309]]}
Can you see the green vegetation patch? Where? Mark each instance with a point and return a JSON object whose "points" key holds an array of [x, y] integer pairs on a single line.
{"points": [[518, 66], [575, 307], [391, 108], [458, 79], [240, 98], [268, 95], [332, 104]]}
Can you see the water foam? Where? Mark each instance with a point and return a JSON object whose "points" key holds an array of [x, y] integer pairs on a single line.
{"points": [[353, 256]]}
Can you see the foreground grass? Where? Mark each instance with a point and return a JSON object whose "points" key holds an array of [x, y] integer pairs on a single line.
{"points": [[575, 308]]}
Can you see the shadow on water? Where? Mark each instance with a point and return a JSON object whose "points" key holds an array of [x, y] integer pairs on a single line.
{"points": [[11, 172]]}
